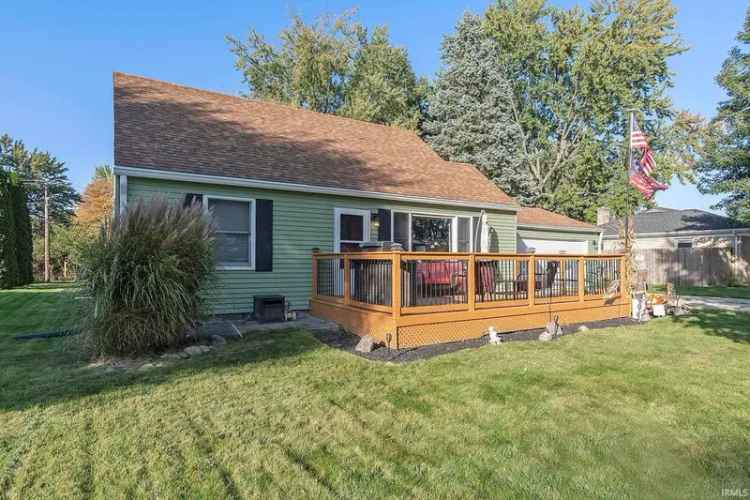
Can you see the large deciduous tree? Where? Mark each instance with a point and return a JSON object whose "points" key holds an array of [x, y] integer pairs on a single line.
{"points": [[574, 75], [97, 198], [470, 109], [382, 87], [725, 166], [332, 66]]}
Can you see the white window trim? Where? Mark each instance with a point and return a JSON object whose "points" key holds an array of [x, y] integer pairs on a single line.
{"points": [[250, 266], [454, 227], [337, 213]]}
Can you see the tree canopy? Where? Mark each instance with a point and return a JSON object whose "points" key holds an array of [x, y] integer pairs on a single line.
{"points": [[725, 166], [573, 75], [33, 169], [333, 65], [470, 112]]}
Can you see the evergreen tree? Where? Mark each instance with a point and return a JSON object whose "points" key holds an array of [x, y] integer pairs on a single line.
{"points": [[470, 111], [38, 166], [725, 166], [24, 240], [9, 272]]}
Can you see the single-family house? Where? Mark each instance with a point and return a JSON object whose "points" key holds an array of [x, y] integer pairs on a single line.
{"points": [[282, 181], [669, 228]]}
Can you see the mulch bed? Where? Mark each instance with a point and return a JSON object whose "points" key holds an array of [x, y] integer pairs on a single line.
{"points": [[347, 341]]}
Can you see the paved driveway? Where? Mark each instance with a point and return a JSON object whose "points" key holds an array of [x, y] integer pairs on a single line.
{"points": [[727, 304]]}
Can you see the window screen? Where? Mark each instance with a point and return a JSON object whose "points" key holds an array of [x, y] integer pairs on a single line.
{"points": [[464, 234], [401, 229], [476, 230], [352, 228], [684, 244], [233, 225]]}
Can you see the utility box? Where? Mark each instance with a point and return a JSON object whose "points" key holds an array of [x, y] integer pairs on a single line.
{"points": [[267, 308]]}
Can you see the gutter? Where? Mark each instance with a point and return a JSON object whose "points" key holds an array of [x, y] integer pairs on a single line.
{"points": [[559, 228], [150, 173], [713, 232]]}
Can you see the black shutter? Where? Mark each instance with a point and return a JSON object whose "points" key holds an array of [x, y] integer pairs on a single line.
{"points": [[191, 198], [384, 230], [263, 235]]}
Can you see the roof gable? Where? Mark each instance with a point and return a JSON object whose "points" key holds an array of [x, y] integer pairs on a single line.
{"points": [[163, 126]]}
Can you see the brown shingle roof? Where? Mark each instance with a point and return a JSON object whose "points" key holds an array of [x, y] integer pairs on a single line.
{"points": [[170, 127], [540, 217]]}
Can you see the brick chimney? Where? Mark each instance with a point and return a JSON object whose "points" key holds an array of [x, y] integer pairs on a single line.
{"points": [[603, 215]]}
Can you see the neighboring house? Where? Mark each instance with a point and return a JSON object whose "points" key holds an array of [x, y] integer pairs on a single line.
{"points": [[282, 181], [667, 228]]}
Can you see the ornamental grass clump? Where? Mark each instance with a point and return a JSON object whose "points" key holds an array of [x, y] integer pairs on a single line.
{"points": [[145, 273]]}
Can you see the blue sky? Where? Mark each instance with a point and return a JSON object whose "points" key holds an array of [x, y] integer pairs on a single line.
{"points": [[58, 59]]}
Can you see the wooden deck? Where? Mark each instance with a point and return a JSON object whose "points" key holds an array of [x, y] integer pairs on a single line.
{"points": [[411, 299]]}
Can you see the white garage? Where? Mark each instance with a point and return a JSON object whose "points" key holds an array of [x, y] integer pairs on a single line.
{"points": [[537, 245]]}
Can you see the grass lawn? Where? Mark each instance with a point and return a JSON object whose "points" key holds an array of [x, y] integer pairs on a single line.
{"points": [[738, 292], [660, 410]]}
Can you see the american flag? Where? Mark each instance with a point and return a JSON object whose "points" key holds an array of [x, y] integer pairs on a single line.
{"points": [[647, 161], [640, 170], [643, 182], [637, 139]]}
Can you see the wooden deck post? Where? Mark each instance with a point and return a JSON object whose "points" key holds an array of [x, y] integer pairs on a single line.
{"points": [[471, 282], [347, 281], [531, 287], [396, 284], [581, 278]]}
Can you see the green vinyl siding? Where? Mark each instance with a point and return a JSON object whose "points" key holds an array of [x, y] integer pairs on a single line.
{"points": [[550, 234], [301, 222]]}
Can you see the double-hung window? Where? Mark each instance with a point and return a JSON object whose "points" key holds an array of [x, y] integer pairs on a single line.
{"points": [[234, 219]]}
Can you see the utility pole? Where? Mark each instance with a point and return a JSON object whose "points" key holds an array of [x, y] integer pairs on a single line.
{"points": [[45, 186]]}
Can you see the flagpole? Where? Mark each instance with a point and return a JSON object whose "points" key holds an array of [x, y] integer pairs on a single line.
{"points": [[628, 250]]}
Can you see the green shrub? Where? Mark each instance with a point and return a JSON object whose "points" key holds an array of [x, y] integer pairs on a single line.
{"points": [[145, 273]]}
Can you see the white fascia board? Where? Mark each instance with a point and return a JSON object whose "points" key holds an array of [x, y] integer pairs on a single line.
{"points": [[150, 173]]}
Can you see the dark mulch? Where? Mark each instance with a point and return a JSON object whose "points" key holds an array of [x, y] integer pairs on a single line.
{"points": [[347, 341]]}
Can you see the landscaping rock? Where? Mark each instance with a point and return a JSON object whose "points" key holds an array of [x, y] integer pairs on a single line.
{"points": [[217, 328], [218, 341], [195, 350], [583, 328], [175, 355], [366, 344], [545, 336]]}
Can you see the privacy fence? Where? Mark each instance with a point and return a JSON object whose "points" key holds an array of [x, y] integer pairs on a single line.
{"points": [[692, 266]]}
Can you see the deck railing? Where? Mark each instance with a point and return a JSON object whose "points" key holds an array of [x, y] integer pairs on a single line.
{"points": [[444, 282]]}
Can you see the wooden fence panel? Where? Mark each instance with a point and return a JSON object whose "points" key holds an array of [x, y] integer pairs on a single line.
{"points": [[687, 266]]}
